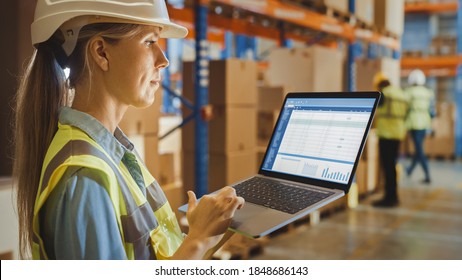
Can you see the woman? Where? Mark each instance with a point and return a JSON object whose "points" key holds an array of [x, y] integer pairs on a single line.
{"points": [[92, 198]]}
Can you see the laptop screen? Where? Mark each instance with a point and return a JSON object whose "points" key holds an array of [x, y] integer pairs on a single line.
{"points": [[319, 138]]}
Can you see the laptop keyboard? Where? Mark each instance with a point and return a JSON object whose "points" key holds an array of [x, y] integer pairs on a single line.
{"points": [[279, 196]]}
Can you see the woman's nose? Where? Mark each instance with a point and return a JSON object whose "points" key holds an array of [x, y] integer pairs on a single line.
{"points": [[161, 60]]}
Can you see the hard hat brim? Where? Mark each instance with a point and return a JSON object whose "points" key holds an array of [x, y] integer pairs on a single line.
{"points": [[169, 29]]}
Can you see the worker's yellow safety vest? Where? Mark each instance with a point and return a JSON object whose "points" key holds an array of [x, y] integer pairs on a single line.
{"points": [[391, 115], [420, 99], [147, 224]]}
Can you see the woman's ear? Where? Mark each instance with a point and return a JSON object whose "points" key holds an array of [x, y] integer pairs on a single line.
{"points": [[98, 51]]}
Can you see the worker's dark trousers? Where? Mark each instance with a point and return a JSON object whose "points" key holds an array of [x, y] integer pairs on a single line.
{"points": [[389, 152]]}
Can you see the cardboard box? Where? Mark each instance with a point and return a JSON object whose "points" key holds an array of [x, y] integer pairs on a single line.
{"points": [[364, 11], [270, 98], [367, 68], [440, 146], [306, 69], [224, 169], [166, 169], [232, 82], [171, 143], [232, 129], [389, 16], [143, 121], [265, 126]]}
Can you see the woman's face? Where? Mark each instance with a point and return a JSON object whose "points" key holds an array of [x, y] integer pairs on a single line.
{"points": [[134, 68]]}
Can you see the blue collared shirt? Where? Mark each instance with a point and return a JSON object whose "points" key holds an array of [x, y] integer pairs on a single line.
{"points": [[78, 220]]}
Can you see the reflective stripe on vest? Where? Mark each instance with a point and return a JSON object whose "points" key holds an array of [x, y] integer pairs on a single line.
{"points": [[137, 220]]}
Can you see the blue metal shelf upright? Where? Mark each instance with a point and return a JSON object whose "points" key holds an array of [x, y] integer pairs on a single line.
{"points": [[201, 158], [458, 87]]}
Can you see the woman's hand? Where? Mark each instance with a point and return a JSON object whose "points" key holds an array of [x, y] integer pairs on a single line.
{"points": [[211, 217], [208, 220]]}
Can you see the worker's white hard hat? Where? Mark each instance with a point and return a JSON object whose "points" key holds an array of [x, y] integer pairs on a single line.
{"points": [[71, 15], [416, 77]]}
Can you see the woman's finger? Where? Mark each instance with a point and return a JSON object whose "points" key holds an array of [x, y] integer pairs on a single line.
{"points": [[192, 201]]}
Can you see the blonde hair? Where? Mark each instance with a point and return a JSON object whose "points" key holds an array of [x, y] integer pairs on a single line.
{"points": [[42, 91]]}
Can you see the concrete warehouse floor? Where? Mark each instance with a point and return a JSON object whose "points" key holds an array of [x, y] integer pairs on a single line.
{"points": [[427, 225]]}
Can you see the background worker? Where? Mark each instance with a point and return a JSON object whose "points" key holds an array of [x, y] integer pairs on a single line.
{"points": [[390, 127], [83, 191], [419, 119]]}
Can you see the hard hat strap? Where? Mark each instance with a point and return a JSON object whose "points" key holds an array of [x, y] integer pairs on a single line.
{"points": [[53, 46]]}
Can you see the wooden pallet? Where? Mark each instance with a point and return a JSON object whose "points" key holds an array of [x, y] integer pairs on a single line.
{"points": [[239, 247], [416, 54], [363, 25], [386, 33], [340, 15], [443, 157]]}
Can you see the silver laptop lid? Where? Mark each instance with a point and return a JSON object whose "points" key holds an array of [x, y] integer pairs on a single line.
{"points": [[319, 137]]}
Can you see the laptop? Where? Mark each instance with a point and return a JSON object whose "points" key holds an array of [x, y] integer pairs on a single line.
{"points": [[310, 160]]}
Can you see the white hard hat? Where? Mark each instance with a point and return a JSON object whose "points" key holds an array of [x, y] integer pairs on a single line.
{"points": [[416, 77], [71, 15]]}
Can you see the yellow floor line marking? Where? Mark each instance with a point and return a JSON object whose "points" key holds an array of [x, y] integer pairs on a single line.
{"points": [[360, 251]]}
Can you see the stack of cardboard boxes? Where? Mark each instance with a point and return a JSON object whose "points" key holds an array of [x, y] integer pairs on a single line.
{"points": [[313, 68], [232, 129], [270, 99]]}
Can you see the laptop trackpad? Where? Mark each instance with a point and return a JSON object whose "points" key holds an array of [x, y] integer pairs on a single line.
{"points": [[255, 219]]}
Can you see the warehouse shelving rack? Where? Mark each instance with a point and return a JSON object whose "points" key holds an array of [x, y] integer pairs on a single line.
{"points": [[441, 66], [271, 19]]}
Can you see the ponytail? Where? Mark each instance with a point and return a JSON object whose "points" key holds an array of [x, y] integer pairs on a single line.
{"points": [[41, 92]]}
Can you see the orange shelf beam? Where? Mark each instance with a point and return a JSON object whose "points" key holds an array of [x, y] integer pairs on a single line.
{"points": [[431, 62], [436, 72], [426, 7], [284, 12]]}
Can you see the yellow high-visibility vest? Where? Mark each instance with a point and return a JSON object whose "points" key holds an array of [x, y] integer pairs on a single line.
{"points": [[420, 99], [147, 224], [391, 115]]}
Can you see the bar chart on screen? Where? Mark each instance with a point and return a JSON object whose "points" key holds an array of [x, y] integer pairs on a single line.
{"points": [[335, 175]]}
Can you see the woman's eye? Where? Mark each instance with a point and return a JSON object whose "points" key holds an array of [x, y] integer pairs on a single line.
{"points": [[149, 42]]}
